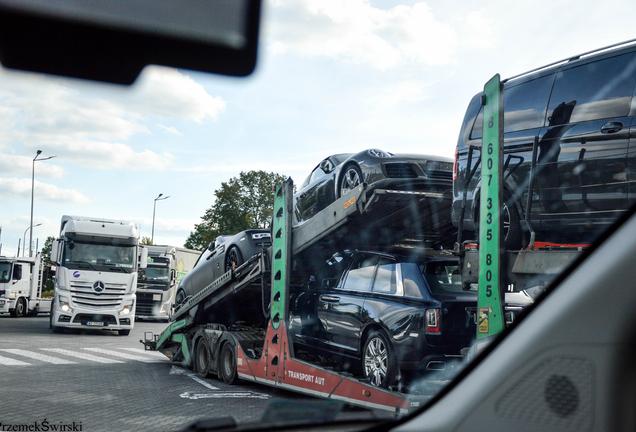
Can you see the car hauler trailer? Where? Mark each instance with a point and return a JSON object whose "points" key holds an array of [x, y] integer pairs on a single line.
{"points": [[158, 282], [21, 283], [247, 343], [96, 280]]}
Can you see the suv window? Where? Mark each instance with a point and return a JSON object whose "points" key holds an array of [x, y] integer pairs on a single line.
{"points": [[386, 277], [598, 90], [360, 275], [524, 106], [442, 277]]}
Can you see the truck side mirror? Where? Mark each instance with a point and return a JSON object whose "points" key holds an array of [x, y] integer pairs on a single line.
{"points": [[173, 276], [54, 250], [143, 258]]}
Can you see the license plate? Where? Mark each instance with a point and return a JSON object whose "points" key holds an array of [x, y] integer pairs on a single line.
{"points": [[95, 323], [156, 297]]}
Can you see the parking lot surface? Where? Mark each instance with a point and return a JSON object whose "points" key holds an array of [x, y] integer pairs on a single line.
{"points": [[100, 381]]}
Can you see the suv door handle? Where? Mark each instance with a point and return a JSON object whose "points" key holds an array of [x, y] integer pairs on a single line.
{"points": [[329, 298], [611, 127]]}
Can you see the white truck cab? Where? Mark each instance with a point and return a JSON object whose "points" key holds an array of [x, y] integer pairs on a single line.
{"points": [[97, 274], [21, 283]]}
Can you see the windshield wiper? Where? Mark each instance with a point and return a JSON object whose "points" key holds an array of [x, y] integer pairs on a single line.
{"points": [[83, 262]]}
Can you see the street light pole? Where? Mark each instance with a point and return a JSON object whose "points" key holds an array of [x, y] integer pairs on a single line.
{"points": [[39, 152], [154, 207], [30, 236]]}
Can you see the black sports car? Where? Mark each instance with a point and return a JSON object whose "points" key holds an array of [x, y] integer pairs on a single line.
{"points": [[338, 174], [224, 253], [391, 315]]}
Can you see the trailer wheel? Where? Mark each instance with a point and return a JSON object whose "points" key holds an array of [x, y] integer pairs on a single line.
{"points": [[228, 364], [18, 311], [379, 363], [233, 258], [351, 179], [202, 358], [124, 332]]}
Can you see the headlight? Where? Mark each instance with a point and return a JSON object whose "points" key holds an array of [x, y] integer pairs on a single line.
{"points": [[258, 236], [64, 304], [125, 310], [378, 153]]}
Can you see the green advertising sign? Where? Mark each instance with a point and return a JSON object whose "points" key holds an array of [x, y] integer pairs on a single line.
{"points": [[490, 318]]}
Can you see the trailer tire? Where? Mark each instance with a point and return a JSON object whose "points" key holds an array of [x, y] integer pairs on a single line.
{"points": [[379, 363], [19, 310], [124, 332], [202, 358], [228, 364]]}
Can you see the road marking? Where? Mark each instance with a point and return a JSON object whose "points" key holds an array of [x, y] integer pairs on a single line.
{"points": [[82, 355], [122, 355], [176, 370], [222, 395], [12, 362], [146, 352], [37, 356]]}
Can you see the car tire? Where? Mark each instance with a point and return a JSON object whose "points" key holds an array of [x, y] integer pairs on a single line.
{"points": [[18, 311], [351, 178], [228, 364], [180, 297], [379, 363], [511, 226], [202, 358], [233, 258], [124, 332]]}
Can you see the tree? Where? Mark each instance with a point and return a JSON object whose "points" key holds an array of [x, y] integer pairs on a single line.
{"points": [[46, 250], [145, 241], [246, 202]]}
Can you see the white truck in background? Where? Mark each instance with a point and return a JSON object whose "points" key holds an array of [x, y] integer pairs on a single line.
{"points": [[157, 283], [21, 282], [97, 263]]}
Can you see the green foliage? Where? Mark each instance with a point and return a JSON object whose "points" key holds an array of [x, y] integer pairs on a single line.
{"points": [[246, 202], [145, 241], [46, 250]]}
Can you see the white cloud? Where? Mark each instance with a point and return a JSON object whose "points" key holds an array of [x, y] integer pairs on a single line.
{"points": [[355, 31], [21, 187], [170, 129], [168, 93], [23, 165], [103, 155]]}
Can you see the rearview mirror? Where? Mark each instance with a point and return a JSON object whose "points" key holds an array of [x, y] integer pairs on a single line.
{"points": [[114, 40], [143, 258], [55, 246]]}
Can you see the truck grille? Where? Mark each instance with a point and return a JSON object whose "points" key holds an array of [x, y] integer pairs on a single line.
{"points": [[84, 295], [400, 170], [145, 304]]}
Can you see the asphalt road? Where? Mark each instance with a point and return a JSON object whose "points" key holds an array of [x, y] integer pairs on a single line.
{"points": [[100, 381]]}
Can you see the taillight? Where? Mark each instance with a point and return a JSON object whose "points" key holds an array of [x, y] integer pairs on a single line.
{"points": [[455, 164], [433, 324]]}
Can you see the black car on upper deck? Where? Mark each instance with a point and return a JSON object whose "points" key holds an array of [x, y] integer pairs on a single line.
{"points": [[338, 174], [580, 112], [392, 316]]}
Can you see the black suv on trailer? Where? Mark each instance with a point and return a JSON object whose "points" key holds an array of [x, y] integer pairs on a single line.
{"points": [[580, 112], [391, 315]]}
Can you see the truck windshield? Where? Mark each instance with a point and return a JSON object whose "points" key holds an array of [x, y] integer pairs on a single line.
{"points": [[99, 256], [5, 272], [155, 274]]}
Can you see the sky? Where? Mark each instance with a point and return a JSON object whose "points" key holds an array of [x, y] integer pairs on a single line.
{"points": [[331, 77]]}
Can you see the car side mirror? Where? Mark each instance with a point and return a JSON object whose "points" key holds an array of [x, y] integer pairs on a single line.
{"points": [[326, 167]]}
